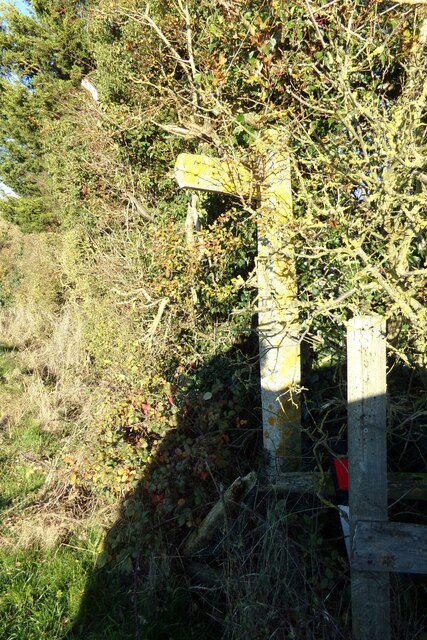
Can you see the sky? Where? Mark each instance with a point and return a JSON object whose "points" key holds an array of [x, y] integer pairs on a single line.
{"points": [[6, 191], [22, 6]]}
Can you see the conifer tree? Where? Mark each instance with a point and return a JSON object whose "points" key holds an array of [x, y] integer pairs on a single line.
{"points": [[42, 55]]}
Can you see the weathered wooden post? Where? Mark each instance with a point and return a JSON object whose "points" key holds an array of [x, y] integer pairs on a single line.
{"points": [[367, 449], [278, 321], [278, 312]]}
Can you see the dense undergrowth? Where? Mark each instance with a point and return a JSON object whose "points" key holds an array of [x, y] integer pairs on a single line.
{"points": [[129, 364], [107, 466]]}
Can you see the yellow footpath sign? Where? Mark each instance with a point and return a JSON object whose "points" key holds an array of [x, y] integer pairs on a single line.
{"points": [[212, 174]]}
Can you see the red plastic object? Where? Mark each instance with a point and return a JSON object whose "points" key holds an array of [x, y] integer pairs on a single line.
{"points": [[341, 472]]}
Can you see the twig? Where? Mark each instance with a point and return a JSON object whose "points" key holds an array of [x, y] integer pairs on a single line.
{"points": [[133, 293], [33, 458], [186, 15], [184, 64], [315, 25], [202, 537], [188, 66], [140, 208], [157, 319], [324, 6], [413, 2], [405, 306]]}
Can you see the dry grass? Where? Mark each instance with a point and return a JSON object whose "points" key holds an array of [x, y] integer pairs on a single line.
{"points": [[274, 576], [61, 512], [40, 286], [45, 328], [53, 366], [48, 382], [58, 387]]}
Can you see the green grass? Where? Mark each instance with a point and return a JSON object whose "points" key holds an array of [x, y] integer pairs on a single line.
{"points": [[56, 594], [7, 361], [40, 592], [116, 607], [18, 483], [20, 477]]}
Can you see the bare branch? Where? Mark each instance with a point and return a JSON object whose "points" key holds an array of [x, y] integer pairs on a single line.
{"points": [[315, 25]]}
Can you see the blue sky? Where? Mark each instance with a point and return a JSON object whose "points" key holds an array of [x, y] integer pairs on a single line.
{"points": [[22, 6], [6, 191]]}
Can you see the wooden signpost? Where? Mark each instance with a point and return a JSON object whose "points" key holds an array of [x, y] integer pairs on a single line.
{"points": [[377, 546], [279, 338], [204, 173], [277, 287]]}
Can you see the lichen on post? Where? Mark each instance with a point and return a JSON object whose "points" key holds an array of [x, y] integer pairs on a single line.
{"points": [[278, 311]]}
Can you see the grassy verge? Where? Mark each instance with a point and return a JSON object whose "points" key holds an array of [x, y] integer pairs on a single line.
{"points": [[26, 450], [40, 588], [50, 587], [20, 443]]}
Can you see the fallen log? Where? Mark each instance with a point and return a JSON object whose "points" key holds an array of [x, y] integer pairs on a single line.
{"points": [[226, 507]]}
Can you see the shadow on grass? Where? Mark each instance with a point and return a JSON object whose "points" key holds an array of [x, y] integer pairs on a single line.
{"points": [[279, 568]]}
